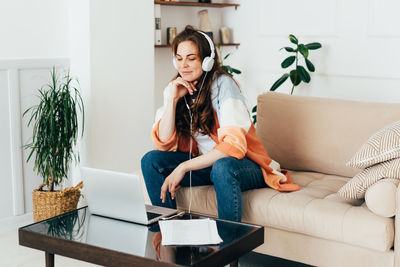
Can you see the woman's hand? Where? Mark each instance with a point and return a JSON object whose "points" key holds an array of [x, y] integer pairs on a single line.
{"points": [[171, 183], [182, 87]]}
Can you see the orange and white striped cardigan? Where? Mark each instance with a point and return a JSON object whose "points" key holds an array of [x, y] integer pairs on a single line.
{"points": [[233, 133]]}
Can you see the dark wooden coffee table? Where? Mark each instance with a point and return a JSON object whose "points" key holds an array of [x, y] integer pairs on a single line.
{"points": [[108, 242]]}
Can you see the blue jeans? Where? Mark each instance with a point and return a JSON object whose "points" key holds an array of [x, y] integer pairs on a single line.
{"points": [[230, 176]]}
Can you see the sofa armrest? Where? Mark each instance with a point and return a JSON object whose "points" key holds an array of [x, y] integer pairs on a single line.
{"points": [[397, 230]]}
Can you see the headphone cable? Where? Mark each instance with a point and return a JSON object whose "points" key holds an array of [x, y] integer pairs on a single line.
{"points": [[191, 139]]}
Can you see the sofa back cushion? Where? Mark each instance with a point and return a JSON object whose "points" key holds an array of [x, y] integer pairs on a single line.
{"points": [[318, 134]]}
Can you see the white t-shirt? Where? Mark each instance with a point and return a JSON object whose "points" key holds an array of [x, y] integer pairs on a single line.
{"points": [[204, 143]]}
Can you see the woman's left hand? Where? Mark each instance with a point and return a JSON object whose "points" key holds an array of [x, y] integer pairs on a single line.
{"points": [[171, 183]]}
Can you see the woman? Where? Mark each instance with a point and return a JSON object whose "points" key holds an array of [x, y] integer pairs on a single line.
{"points": [[204, 114]]}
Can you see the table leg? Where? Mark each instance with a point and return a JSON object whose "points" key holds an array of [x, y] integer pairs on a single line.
{"points": [[234, 263], [49, 259]]}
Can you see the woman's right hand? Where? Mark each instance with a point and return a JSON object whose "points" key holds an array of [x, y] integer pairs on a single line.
{"points": [[180, 88]]}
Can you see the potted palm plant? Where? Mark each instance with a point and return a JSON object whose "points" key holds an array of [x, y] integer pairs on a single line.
{"points": [[55, 133]]}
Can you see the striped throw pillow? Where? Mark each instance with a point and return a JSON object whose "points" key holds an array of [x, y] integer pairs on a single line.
{"points": [[382, 146], [358, 185]]}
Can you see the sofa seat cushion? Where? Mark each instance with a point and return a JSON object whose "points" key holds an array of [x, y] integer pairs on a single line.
{"points": [[314, 210]]}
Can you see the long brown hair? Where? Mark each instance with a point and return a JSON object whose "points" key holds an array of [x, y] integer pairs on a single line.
{"points": [[203, 113]]}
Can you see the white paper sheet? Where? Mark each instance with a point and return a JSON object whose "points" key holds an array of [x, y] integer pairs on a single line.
{"points": [[189, 232]]}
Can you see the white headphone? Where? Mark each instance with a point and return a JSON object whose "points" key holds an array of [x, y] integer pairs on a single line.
{"points": [[208, 62]]}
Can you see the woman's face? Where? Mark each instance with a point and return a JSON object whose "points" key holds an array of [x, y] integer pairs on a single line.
{"points": [[188, 61]]}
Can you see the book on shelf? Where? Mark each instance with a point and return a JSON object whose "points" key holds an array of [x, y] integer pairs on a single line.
{"points": [[157, 24]]}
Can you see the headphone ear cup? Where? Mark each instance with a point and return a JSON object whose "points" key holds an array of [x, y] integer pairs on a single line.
{"points": [[174, 63], [207, 64]]}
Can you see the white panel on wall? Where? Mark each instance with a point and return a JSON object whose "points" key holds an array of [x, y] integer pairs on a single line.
{"points": [[307, 17], [5, 151], [384, 19], [30, 81], [19, 83]]}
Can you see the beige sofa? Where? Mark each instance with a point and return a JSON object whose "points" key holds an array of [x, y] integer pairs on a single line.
{"points": [[314, 138]]}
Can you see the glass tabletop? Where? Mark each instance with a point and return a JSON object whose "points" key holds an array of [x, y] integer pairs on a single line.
{"points": [[131, 238]]}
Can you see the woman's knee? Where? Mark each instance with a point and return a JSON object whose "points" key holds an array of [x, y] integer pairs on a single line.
{"points": [[224, 164], [152, 156], [223, 169]]}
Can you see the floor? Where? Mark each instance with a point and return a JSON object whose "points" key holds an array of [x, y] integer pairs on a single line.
{"points": [[13, 255]]}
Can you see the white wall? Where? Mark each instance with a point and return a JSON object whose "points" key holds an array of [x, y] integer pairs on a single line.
{"points": [[33, 29], [79, 51], [122, 83], [359, 58]]}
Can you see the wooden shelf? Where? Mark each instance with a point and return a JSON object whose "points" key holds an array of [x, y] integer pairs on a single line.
{"points": [[178, 3], [167, 45], [162, 45]]}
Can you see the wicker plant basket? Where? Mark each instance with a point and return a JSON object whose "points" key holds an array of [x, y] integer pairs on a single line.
{"points": [[50, 204]]}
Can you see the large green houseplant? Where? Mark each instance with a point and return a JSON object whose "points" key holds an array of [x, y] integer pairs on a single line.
{"points": [[299, 73], [55, 134]]}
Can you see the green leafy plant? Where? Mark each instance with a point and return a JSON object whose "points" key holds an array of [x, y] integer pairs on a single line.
{"points": [[254, 114], [228, 69], [55, 129], [299, 73]]}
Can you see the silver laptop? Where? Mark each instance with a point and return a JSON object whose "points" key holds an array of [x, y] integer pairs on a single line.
{"points": [[119, 195]]}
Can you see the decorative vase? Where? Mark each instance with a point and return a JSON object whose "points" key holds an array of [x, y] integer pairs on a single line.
{"points": [[205, 23]]}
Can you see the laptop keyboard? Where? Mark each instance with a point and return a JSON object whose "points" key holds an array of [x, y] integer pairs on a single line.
{"points": [[151, 215]]}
